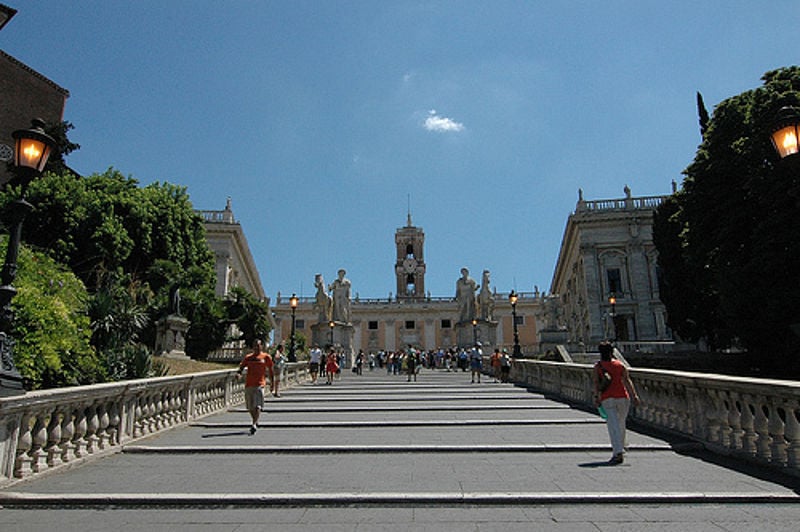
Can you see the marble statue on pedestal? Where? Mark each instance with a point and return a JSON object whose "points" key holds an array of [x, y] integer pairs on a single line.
{"points": [[486, 299], [322, 303], [465, 296], [341, 298]]}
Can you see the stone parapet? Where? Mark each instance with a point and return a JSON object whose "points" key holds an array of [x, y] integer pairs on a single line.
{"points": [[43, 430], [754, 419]]}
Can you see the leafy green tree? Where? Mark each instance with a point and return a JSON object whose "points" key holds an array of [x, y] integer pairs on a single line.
{"points": [[51, 326], [248, 314], [106, 221], [730, 239]]}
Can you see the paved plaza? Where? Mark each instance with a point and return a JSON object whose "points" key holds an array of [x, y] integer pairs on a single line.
{"points": [[375, 452]]}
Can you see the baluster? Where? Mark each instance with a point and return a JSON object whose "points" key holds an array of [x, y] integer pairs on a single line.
{"points": [[777, 424], [748, 428], [724, 416], [103, 439], [158, 418], [81, 425], [92, 424], [712, 418], [67, 435], [735, 423], [54, 449], [38, 452], [793, 436], [138, 422], [114, 429], [22, 465], [761, 427]]}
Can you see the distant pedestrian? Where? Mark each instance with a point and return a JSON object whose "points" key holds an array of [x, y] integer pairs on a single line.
{"points": [[360, 362], [494, 361], [615, 398], [331, 366], [278, 367], [476, 362], [315, 357], [412, 365], [257, 364], [505, 366]]}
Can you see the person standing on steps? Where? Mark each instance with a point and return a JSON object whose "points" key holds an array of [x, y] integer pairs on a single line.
{"points": [[615, 398], [476, 362], [257, 364]]}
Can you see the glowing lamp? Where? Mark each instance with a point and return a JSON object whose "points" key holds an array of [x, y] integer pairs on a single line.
{"points": [[32, 147], [786, 132]]}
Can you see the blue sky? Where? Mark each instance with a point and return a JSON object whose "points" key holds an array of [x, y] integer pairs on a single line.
{"points": [[320, 118]]}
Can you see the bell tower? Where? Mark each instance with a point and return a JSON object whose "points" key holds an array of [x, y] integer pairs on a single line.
{"points": [[410, 266]]}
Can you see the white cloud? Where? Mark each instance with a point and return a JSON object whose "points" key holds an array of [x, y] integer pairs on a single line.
{"points": [[434, 122]]}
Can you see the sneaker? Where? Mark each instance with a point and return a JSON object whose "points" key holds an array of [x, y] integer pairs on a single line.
{"points": [[253, 430], [616, 459]]}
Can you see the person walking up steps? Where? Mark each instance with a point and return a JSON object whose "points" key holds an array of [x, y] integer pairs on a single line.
{"points": [[257, 364], [331, 366]]}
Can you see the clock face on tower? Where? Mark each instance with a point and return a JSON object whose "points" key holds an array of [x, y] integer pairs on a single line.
{"points": [[409, 265]]}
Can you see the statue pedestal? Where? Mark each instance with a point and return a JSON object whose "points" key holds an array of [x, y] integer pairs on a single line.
{"points": [[549, 338], [171, 337], [341, 336], [484, 332]]}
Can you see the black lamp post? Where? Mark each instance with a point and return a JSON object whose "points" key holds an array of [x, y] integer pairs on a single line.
{"points": [[474, 331], [32, 147], [331, 324], [512, 298], [612, 300], [786, 132], [293, 304]]}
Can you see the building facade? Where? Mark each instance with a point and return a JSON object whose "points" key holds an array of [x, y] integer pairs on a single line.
{"points": [[26, 94], [234, 264], [606, 277], [412, 317]]}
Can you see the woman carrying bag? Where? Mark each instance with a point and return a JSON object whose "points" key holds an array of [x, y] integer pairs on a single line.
{"points": [[613, 390]]}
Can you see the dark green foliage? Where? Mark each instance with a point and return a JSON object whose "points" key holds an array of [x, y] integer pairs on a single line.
{"points": [[729, 242], [248, 314]]}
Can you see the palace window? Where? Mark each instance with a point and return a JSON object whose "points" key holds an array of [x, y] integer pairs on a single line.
{"points": [[446, 324], [614, 279], [372, 326], [300, 324], [411, 324]]}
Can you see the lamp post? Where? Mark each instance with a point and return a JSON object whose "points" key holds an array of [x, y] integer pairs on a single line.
{"points": [[512, 298], [293, 304], [331, 324], [32, 148], [474, 331], [612, 300]]}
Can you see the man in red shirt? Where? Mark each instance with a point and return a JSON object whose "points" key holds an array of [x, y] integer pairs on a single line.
{"points": [[257, 364]]}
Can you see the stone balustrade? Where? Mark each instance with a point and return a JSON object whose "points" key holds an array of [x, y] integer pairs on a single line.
{"points": [[752, 419], [47, 429]]}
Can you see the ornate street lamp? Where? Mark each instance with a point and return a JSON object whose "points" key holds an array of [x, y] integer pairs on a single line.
{"points": [[32, 149], [512, 298], [331, 324], [786, 132], [612, 300], [293, 303]]}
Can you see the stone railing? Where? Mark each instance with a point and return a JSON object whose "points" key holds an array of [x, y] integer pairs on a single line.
{"points": [[753, 419], [47, 429]]}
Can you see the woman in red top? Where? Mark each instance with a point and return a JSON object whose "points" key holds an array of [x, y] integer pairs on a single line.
{"points": [[616, 399]]}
